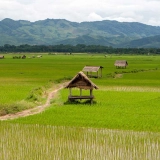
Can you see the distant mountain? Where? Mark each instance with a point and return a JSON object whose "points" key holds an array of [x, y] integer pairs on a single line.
{"points": [[148, 42], [61, 31]]}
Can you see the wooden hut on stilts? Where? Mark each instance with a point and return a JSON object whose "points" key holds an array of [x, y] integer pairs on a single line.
{"points": [[93, 71], [81, 81], [121, 63]]}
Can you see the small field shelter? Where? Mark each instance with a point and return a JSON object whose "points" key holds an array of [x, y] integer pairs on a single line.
{"points": [[81, 81], [1, 57], [121, 63], [93, 71]]}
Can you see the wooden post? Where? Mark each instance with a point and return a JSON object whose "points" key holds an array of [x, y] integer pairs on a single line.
{"points": [[80, 92], [101, 72], [91, 95], [70, 91], [91, 92], [70, 94]]}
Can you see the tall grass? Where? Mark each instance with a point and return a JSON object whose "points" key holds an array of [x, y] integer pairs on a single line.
{"points": [[52, 143]]}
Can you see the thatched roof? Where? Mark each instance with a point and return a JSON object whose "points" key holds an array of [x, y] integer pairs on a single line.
{"points": [[121, 63], [91, 68], [81, 81]]}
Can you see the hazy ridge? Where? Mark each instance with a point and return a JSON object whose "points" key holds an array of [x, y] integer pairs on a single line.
{"points": [[61, 31]]}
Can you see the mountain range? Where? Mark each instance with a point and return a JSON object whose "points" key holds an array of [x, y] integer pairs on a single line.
{"points": [[61, 31]]}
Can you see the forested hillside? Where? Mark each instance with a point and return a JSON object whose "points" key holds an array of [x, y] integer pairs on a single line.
{"points": [[61, 31], [79, 48]]}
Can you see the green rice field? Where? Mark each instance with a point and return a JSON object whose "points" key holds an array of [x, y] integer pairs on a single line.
{"points": [[122, 123]]}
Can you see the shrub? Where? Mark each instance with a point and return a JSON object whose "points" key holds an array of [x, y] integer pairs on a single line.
{"points": [[35, 95]]}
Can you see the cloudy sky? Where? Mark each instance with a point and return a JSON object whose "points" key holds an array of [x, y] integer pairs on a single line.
{"points": [[144, 11]]}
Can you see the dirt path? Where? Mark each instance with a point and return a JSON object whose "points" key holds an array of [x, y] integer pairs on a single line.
{"points": [[34, 110]]}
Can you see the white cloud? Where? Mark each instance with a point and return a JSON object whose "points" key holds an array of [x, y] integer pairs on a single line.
{"points": [[94, 17], [144, 11]]}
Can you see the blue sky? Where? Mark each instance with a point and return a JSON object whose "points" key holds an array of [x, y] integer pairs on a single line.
{"points": [[144, 11]]}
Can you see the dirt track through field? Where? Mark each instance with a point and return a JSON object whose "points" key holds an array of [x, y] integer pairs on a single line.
{"points": [[34, 110]]}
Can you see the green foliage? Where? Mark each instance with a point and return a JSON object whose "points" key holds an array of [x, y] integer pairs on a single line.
{"points": [[15, 107], [35, 95], [79, 48]]}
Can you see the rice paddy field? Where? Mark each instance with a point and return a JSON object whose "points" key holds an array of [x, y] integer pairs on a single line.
{"points": [[123, 123]]}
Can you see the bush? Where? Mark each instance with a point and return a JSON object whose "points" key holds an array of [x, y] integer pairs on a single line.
{"points": [[35, 95], [15, 107]]}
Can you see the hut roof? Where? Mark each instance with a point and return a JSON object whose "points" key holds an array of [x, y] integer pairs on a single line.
{"points": [[81, 81], [121, 63], [91, 68]]}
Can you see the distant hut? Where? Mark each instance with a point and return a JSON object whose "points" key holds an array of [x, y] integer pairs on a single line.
{"points": [[121, 63], [93, 71], [23, 57], [39, 56], [81, 81]]}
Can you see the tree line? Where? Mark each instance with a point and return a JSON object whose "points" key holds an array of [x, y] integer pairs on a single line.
{"points": [[79, 48]]}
